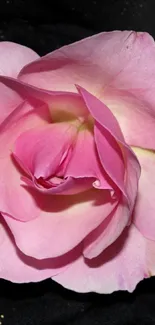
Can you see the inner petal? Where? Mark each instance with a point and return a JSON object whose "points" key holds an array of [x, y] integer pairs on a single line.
{"points": [[67, 107], [84, 161], [42, 150], [53, 182]]}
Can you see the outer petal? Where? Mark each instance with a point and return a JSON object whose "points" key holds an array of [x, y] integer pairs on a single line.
{"points": [[17, 267], [150, 256], [116, 61], [120, 267], [106, 233], [64, 222], [12, 190], [107, 136], [22, 118], [98, 58], [13, 57], [134, 114], [144, 213]]}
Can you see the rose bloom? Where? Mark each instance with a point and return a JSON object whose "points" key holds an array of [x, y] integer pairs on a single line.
{"points": [[77, 163]]}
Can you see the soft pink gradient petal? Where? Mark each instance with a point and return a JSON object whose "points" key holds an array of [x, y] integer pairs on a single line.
{"points": [[106, 142], [29, 110], [106, 234], [122, 61], [13, 57], [10, 177], [21, 119], [134, 89], [125, 172], [108, 137], [65, 106], [134, 115], [150, 256], [14, 94], [61, 105], [12, 191], [92, 63], [84, 161], [120, 267], [42, 150], [19, 268], [9, 100], [63, 223], [144, 212]]}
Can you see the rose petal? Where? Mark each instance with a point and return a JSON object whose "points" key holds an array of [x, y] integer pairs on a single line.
{"points": [[107, 146], [108, 135], [11, 189], [67, 186], [150, 257], [99, 58], [13, 57], [14, 94], [120, 267], [17, 267], [22, 118], [117, 61], [41, 150], [106, 233], [134, 114], [84, 161], [144, 213], [63, 223], [62, 106]]}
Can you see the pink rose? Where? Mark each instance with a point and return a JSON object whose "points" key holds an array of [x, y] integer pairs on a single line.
{"points": [[77, 163]]}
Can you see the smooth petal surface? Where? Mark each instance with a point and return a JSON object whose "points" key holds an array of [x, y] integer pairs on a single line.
{"points": [[13, 57], [106, 234], [42, 150], [17, 267], [126, 170], [9, 100], [134, 114], [66, 107], [84, 161], [144, 212], [120, 267], [62, 106], [98, 58], [14, 94], [124, 173], [116, 60], [63, 223], [56, 185], [11, 189], [22, 118], [150, 257]]}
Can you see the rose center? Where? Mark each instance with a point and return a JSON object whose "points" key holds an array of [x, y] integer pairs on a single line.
{"points": [[48, 183]]}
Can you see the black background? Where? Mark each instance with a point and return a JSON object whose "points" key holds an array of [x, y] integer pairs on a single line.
{"points": [[44, 26]]}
